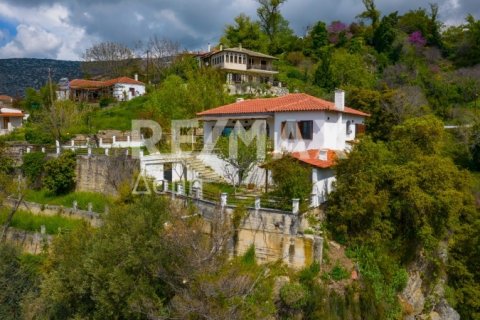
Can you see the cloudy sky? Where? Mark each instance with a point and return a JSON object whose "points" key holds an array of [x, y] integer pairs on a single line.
{"points": [[64, 29]]}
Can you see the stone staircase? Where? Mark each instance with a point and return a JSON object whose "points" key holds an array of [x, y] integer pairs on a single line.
{"points": [[204, 171]]}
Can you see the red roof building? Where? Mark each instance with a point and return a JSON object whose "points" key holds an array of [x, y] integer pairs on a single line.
{"points": [[295, 122], [122, 88], [289, 103]]}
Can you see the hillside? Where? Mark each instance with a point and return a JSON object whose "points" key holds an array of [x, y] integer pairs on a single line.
{"points": [[18, 74]]}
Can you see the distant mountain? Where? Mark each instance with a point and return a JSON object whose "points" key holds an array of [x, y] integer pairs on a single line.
{"points": [[18, 74]]}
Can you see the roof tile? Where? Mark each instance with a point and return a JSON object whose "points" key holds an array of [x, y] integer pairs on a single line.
{"points": [[288, 103]]}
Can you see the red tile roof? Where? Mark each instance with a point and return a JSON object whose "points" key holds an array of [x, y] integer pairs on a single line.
{"points": [[5, 98], [94, 84], [86, 84], [126, 80], [289, 103], [12, 115], [11, 112], [311, 157]]}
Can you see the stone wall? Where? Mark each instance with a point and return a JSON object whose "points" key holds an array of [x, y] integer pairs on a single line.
{"points": [[103, 174], [276, 235], [30, 242], [52, 210]]}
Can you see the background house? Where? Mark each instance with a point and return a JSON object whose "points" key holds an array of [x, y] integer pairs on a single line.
{"points": [[5, 100], [245, 70], [10, 119], [121, 89]]}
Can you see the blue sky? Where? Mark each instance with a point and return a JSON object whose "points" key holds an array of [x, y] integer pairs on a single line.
{"points": [[8, 30], [64, 29]]}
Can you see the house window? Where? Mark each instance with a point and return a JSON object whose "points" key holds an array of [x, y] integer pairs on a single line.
{"points": [[227, 131], [306, 129], [349, 128], [236, 59], [288, 130]]}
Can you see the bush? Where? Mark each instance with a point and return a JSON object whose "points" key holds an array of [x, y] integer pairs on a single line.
{"points": [[60, 173], [105, 101], [293, 295], [33, 166], [338, 273], [292, 180]]}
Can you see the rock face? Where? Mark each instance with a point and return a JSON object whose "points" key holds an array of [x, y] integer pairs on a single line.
{"points": [[424, 298]]}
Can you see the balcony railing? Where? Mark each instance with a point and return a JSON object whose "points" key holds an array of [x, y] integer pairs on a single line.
{"points": [[261, 67]]}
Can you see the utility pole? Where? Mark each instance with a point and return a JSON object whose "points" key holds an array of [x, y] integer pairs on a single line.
{"points": [[148, 66]]}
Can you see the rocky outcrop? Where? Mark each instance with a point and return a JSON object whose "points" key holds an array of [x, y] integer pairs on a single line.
{"points": [[424, 295]]}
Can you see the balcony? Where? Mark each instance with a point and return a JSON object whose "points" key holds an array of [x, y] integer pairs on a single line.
{"points": [[264, 67]]}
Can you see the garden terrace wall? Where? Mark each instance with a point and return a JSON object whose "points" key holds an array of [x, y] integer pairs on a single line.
{"points": [[276, 235], [53, 210]]}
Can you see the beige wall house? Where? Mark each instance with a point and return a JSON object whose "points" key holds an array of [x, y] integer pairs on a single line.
{"points": [[246, 71], [10, 119]]}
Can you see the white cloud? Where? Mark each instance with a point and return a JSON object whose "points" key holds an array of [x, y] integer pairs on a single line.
{"points": [[44, 31]]}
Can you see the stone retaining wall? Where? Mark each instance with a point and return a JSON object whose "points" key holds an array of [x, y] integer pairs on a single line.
{"points": [[53, 210], [30, 242]]}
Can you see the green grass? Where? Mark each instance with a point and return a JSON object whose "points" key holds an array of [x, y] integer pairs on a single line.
{"points": [[119, 116], [98, 200], [27, 221]]}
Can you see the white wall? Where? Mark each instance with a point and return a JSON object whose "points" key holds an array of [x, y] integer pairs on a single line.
{"points": [[14, 122], [323, 180], [120, 88], [329, 130]]}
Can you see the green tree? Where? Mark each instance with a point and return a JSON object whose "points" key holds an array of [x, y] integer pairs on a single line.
{"points": [[323, 76], [385, 35], [468, 52], [371, 13], [148, 261], [244, 32], [241, 163], [32, 100], [427, 23], [317, 38], [33, 167], [272, 22], [60, 173], [401, 192], [292, 179], [350, 69], [16, 281]]}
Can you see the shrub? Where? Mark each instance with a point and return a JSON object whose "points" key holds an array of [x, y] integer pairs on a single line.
{"points": [[293, 295], [60, 173], [33, 166], [105, 101], [338, 273]]}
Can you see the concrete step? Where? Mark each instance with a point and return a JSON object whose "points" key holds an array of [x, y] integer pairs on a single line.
{"points": [[204, 171]]}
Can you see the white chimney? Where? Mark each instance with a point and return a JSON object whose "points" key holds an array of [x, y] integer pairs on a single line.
{"points": [[221, 47], [323, 155], [136, 76], [209, 47], [339, 100], [240, 46]]}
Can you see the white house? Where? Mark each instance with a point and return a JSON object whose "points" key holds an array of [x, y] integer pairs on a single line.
{"points": [[313, 130], [10, 119]]}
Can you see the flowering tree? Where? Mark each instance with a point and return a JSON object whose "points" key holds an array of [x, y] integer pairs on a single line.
{"points": [[338, 33], [417, 39]]}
